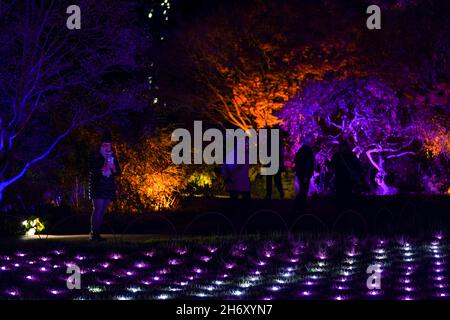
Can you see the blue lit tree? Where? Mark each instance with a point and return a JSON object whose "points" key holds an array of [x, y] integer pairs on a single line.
{"points": [[53, 80]]}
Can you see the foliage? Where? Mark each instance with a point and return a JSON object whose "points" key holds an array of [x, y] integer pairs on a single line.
{"points": [[246, 70], [150, 180], [32, 226], [53, 80], [364, 111]]}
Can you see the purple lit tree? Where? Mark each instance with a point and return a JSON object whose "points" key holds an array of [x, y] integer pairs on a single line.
{"points": [[365, 111], [53, 80]]}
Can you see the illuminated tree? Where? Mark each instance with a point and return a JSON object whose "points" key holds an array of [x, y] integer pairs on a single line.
{"points": [[53, 80], [414, 61], [246, 64], [435, 134], [365, 111], [149, 178]]}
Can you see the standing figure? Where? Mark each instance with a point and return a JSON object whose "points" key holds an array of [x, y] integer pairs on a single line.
{"points": [[304, 170], [347, 172], [103, 167], [236, 176]]}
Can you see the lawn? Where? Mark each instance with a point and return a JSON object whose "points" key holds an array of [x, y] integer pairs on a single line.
{"points": [[252, 267]]}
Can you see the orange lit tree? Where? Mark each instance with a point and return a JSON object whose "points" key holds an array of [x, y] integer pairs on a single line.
{"points": [[150, 180], [248, 65]]}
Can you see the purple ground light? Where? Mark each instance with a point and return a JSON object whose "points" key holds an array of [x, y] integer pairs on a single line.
{"points": [[242, 269]]}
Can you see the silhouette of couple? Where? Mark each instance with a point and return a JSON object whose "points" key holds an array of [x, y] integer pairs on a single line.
{"points": [[344, 164]]}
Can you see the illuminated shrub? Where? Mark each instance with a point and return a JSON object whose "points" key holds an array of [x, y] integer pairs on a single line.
{"points": [[204, 181], [33, 226], [150, 181], [201, 179]]}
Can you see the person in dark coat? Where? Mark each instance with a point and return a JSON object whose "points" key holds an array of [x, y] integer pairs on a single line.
{"points": [[237, 183], [236, 176], [347, 172], [103, 168], [304, 170]]}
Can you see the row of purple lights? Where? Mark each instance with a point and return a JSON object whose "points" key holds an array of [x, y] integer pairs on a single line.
{"points": [[271, 269]]}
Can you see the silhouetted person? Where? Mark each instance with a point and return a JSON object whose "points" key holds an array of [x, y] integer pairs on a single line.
{"points": [[103, 167], [277, 176], [304, 169], [347, 172], [236, 177]]}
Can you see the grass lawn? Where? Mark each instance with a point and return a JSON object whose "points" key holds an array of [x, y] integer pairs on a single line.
{"points": [[271, 266]]}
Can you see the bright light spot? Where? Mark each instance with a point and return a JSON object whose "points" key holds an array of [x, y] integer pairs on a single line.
{"points": [[274, 288], [31, 232], [201, 295], [175, 289], [408, 254], [374, 292], [141, 265], [237, 293], [205, 258], [245, 285], [95, 289], [198, 270], [13, 293]]}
